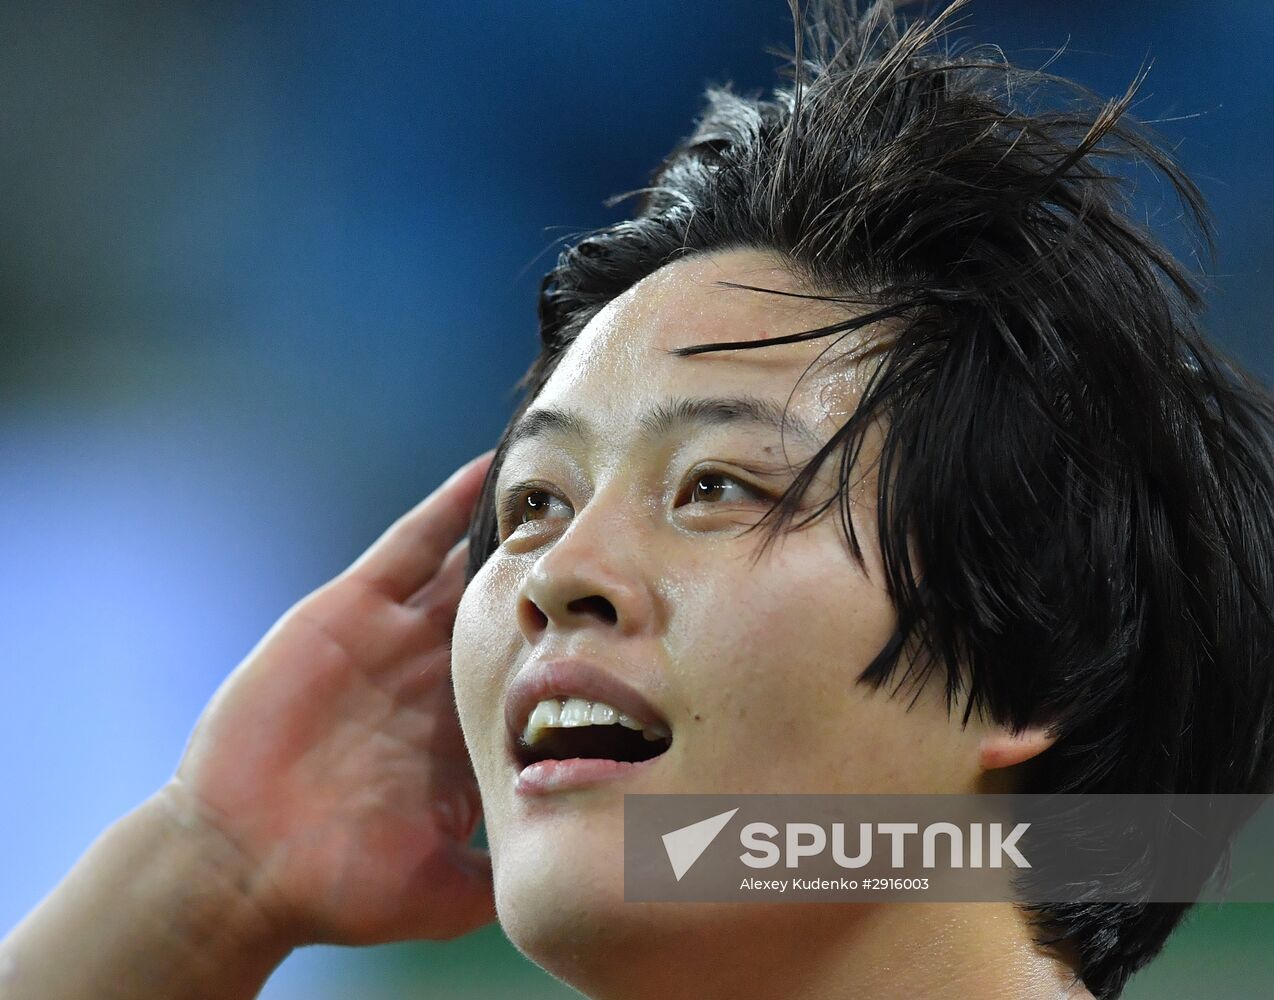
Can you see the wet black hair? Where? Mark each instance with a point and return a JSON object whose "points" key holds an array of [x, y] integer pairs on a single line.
{"points": [[1086, 481]]}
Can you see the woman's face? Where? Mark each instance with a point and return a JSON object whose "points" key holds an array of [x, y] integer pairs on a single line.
{"points": [[625, 551]]}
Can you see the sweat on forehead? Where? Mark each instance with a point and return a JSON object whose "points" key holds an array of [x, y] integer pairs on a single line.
{"points": [[626, 353], [693, 301]]}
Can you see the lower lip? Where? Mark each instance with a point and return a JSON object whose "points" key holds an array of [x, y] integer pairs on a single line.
{"points": [[546, 776]]}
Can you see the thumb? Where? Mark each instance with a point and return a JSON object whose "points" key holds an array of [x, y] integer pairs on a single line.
{"points": [[464, 895]]}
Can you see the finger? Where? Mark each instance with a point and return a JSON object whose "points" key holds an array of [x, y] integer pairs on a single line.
{"points": [[410, 551], [439, 597], [446, 899], [469, 892]]}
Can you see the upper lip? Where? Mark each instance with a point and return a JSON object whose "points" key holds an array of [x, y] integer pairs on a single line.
{"points": [[573, 678]]}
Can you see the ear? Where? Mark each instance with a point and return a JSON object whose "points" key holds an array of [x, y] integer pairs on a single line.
{"points": [[1000, 748]]}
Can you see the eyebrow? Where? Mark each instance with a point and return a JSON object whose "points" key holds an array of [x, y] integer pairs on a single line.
{"points": [[675, 415]]}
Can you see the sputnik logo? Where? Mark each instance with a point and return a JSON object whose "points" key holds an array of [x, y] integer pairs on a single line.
{"points": [[686, 845]]}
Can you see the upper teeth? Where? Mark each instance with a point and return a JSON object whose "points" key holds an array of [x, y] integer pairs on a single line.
{"points": [[565, 713]]}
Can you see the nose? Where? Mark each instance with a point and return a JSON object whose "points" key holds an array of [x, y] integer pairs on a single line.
{"points": [[590, 577]]}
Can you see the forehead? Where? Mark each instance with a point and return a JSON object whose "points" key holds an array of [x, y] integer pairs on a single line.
{"points": [[622, 359]]}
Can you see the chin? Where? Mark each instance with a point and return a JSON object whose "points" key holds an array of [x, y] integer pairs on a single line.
{"points": [[564, 872], [559, 892], [566, 917], [612, 950]]}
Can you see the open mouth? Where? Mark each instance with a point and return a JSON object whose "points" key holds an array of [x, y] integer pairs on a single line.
{"points": [[575, 728]]}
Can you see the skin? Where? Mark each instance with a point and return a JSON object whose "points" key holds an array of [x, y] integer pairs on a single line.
{"points": [[330, 787], [753, 667]]}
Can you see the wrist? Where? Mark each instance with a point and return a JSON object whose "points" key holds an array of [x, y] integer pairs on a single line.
{"points": [[161, 906], [230, 894], [206, 915]]}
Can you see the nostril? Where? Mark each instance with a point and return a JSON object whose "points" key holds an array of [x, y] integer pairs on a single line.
{"points": [[538, 620], [597, 606]]}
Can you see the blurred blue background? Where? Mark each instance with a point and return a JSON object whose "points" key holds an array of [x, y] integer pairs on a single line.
{"points": [[267, 275]]}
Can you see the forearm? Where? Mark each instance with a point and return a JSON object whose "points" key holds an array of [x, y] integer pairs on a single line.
{"points": [[155, 909]]}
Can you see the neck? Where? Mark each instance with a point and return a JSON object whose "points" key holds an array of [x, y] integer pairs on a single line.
{"points": [[910, 951]]}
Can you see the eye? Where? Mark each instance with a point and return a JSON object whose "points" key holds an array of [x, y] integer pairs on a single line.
{"points": [[718, 487], [539, 504], [525, 502]]}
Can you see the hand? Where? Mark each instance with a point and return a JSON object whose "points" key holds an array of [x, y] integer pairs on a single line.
{"points": [[332, 757]]}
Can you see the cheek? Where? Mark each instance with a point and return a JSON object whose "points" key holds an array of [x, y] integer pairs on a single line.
{"points": [[483, 648], [802, 618], [774, 651]]}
